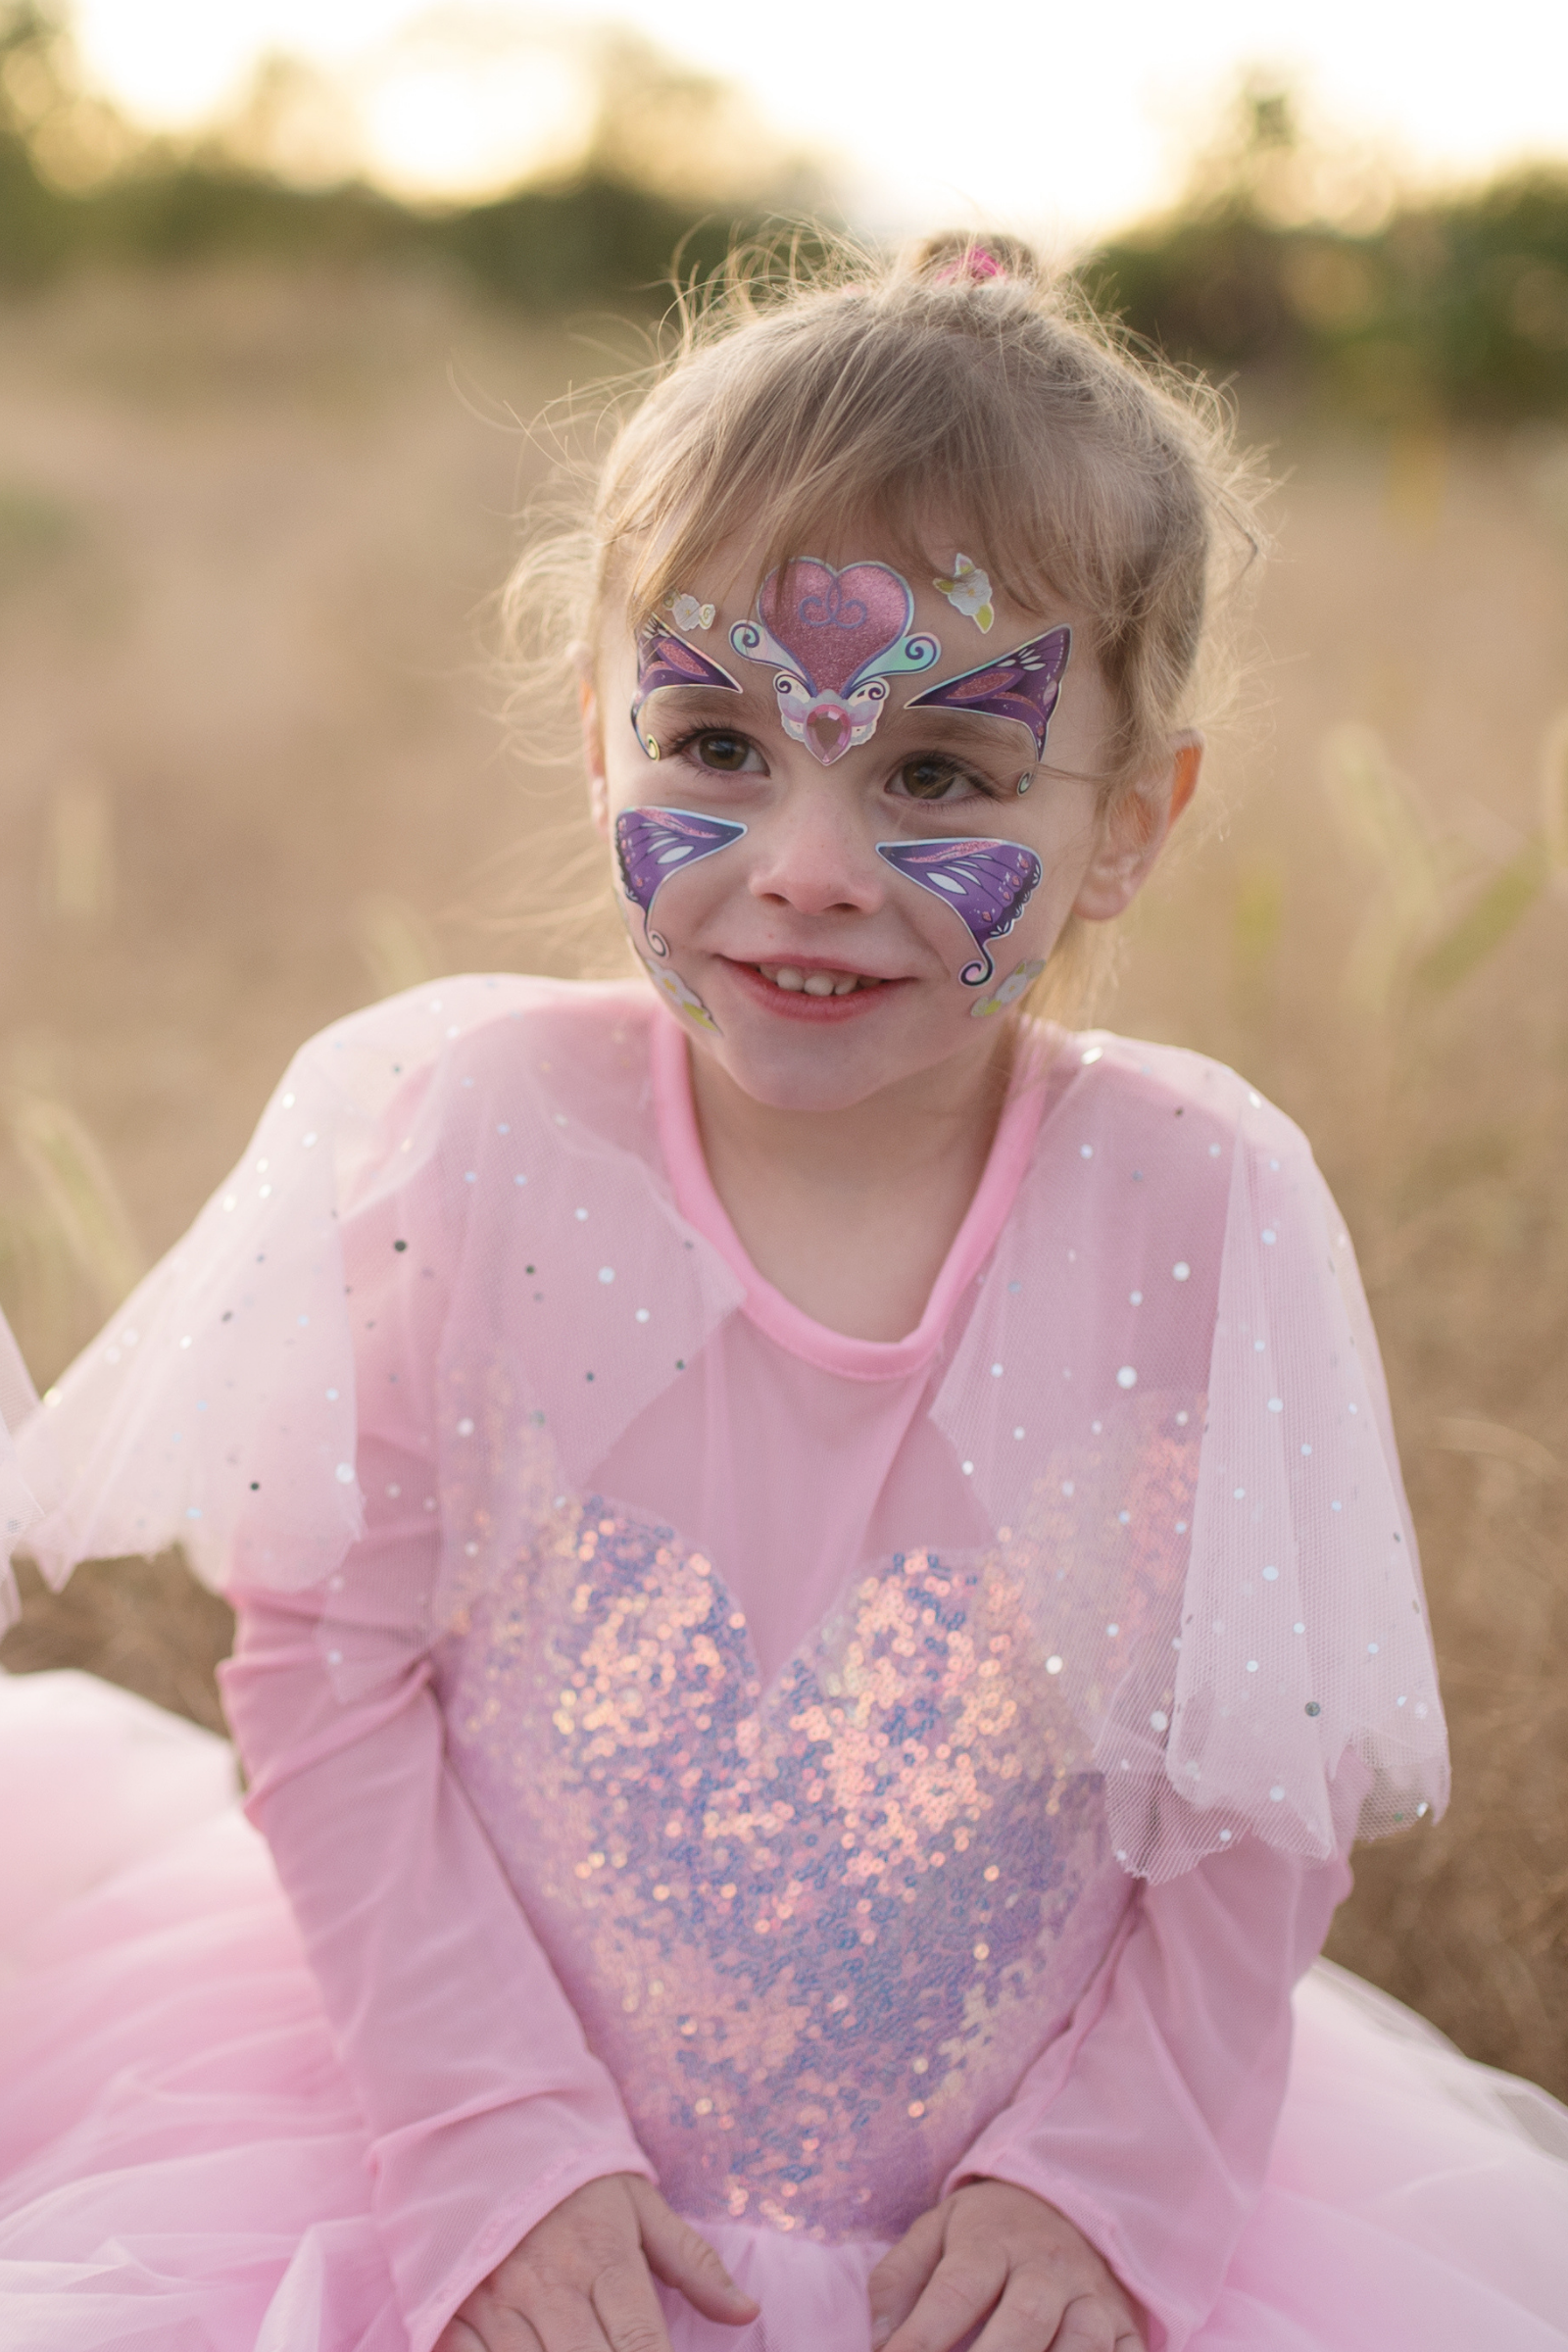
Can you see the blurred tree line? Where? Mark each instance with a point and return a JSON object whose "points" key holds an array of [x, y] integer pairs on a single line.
{"points": [[662, 173], [1284, 261], [1290, 261]]}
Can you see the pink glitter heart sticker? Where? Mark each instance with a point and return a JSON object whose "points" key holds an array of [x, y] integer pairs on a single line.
{"points": [[834, 623], [833, 640]]}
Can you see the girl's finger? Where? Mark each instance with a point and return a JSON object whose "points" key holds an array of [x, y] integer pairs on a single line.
{"points": [[956, 2296], [682, 2258], [894, 2287], [458, 2336], [1088, 2325], [563, 2320], [628, 2308], [485, 2325], [1036, 2314]]}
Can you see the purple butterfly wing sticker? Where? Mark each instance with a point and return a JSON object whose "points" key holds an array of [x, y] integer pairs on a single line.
{"points": [[1023, 685], [988, 883], [652, 844], [665, 660]]}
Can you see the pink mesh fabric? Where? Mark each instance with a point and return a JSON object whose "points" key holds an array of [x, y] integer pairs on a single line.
{"points": [[1164, 1403]]}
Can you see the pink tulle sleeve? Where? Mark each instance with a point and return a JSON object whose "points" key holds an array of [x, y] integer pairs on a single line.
{"points": [[1149, 2120], [483, 2103]]}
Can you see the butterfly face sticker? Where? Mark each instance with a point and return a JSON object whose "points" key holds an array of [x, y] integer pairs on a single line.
{"points": [[834, 639], [988, 883], [652, 844], [1023, 685], [968, 591], [665, 660]]}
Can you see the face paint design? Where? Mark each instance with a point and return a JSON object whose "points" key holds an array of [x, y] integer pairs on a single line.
{"points": [[1012, 989], [988, 883], [674, 989], [689, 614], [1023, 685], [662, 659], [968, 591], [652, 844], [834, 639]]}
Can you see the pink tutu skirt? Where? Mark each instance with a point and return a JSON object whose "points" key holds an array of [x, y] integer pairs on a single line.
{"points": [[183, 2168]]}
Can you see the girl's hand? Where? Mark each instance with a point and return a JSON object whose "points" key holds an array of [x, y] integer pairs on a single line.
{"points": [[992, 2249], [579, 2280]]}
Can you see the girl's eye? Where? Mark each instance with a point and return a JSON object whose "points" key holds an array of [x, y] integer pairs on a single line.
{"points": [[725, 753], [934, 778]]}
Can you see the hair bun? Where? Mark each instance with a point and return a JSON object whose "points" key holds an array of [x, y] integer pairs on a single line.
{"points": [[958, 256]]}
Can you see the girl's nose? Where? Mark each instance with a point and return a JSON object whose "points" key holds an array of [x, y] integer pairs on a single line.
{"points": [[815, 856]]}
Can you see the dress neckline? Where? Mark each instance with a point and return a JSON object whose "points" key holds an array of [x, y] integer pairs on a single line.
{"points": [[778, 1317]]}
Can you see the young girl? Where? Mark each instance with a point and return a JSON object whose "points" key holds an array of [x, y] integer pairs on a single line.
{"points": [[824, 1586]]}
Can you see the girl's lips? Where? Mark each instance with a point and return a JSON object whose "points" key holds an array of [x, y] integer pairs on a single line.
{"points": [[796, 1004]]}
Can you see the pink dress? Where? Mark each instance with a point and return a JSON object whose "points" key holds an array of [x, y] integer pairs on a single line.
{"points": [[806, 1771]]}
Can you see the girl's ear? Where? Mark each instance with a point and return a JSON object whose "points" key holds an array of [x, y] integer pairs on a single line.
{"points": [[592, 742], [1134, 830]]}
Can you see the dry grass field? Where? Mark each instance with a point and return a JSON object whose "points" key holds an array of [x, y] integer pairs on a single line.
{"points": [[249, 777]]}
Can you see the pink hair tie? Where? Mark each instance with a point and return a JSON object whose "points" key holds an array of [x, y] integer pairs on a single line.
{"points": [[978, 264]]}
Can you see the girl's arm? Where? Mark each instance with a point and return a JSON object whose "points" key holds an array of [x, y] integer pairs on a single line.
{"points": [[1149, 2120], [483, 2104]]}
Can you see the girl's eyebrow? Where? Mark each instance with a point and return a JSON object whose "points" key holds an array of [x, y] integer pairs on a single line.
{"points": [[696, 699], [965, 730]]}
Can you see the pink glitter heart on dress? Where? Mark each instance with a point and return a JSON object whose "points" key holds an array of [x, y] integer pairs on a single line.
{"points": [[834, 623]]}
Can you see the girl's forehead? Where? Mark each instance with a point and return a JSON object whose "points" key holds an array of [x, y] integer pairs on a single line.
{"points": [[844, 641], [850, 587], [854, 562]]}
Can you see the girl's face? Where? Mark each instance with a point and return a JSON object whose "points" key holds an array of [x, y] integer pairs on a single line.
{"points": [[811, 786]]}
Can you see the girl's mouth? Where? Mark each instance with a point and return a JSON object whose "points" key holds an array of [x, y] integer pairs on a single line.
{"points": [[811, 993], [817, 982]]}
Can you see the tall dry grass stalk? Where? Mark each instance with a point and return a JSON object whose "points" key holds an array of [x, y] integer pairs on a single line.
{"points": [[69, 1253]]}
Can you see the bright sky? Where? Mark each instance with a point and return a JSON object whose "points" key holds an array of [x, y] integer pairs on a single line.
{"points": [[1056, 120]]}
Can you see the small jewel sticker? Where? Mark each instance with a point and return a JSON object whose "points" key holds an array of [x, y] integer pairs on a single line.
{"points": [[968, 591], [689, 614]]}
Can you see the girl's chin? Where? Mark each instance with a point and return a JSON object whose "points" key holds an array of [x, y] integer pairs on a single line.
{"points": [[882, 1036]]}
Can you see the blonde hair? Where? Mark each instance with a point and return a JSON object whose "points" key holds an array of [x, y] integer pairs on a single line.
{"points": [[956, 387]]}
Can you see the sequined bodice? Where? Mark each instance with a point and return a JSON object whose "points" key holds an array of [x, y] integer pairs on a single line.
{"points": [[817, 1934]]}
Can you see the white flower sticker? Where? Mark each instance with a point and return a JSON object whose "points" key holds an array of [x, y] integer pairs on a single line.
{"points": [[1008, 993], [685, 1000], [968, 591], [690, 614]]}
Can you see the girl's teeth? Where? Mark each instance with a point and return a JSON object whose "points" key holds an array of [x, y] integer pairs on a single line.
{"points": [[791, 978]]}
